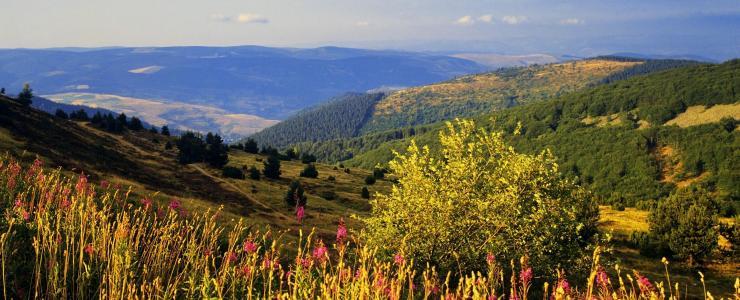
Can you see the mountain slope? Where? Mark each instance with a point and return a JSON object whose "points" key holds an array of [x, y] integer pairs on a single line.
{"points": [[141, 161], [614, 138], [271, 83], [339, 118]]}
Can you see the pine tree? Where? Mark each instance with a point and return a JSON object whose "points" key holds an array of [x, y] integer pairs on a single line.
{"points": [[295, 195], [272, 167], [135, 124], [310, 171], [191, 148], [250, 146], [153, 129], [217, 154], [61, 114], [25, 97], [122, 120], [254, 173], [365, 193], [2, 91], [370, 180], [165, 130], [308, 158]]}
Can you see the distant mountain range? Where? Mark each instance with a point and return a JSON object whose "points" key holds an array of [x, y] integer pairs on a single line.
{"points": [[271, 83]]}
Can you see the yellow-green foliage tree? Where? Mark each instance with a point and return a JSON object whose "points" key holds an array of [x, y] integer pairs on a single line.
{"points": [[476, 196]]}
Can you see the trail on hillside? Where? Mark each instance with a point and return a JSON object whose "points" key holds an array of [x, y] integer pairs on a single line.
{"points": [[235, 187]]}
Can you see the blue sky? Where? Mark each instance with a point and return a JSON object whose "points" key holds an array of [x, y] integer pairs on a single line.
{"points": [[708, 28]]}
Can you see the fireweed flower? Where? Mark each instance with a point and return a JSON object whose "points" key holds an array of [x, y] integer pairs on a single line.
{"points": [[341, 231], [602, 278], [88, 249], [232, 257], [525, 275], [564, 285], [644, 284], [81, 185], [490, 258], [398, 259], [146, 202], [320, 252], [250, 247], [104, 184], [174, 204], [26, 215], [299, 214], [65, 204]]}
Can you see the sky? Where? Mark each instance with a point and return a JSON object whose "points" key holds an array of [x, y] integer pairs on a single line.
{"points": [[709, 28]]}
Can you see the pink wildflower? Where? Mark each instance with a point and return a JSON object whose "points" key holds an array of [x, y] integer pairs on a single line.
{"points": [[104, 184], [250, 247], [232, 257], [563, 284], [174, 204], [81, 186], [602, 278], [341, 231], [26, 215], [65, 204], [207, 252], [299, 214], [146, 202], [88, 249], [320, 252], [246, 270], [525, 275], [644, 283], [398, 259], [18, 203], [490, 258]]}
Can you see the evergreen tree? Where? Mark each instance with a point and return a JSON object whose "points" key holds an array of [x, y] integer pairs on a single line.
{"points": [[365, 193], [272, 167], [250, 146], [254, 173], [378, 173], [310, 171], [308, 158], [217, 154], [370, 180], [25, 97], [168, 145], [165, 130], [291, 153], [295, 195], [79, 115], [2, 91], [685, 222], [153, 129], [135, 124], [191, 148], [61, 114], [122, 119], [97, 119]]}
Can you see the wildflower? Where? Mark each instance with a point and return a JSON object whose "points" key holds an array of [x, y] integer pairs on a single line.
{"points": [[564, 286], [146, 202], [246, 270], [81, 186], [490, 258], [18, 203], [644, 284], [492, 297], [174, 204], [320, 252], [341, 231], [207, 252], [250, 247], [299, 214], [525, 275], [26, 215], [358, 274], [88, 249], [601, 277], [306, 262], [398, 259], [232, 257], [104, 184]]}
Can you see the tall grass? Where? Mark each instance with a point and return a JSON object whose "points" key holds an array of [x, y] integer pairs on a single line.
{"points": [[62, 237]]}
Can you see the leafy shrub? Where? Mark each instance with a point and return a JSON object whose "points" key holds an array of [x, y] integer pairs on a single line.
{"points": [[233, 172], [504, 202], [365, 193], [310, 171], [685, 221], [370, 180]]}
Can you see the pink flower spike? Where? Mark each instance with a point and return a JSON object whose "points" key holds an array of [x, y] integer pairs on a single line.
{"points": [[490, 258], [398, 259], [299, 214], [174, 204], [250, 247], [88, 249], [320, 253], [146, 202], [341, 231], [525, 275]]}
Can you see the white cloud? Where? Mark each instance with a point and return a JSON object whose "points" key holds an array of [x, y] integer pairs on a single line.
{"points": [[571, 21], [514, 20], [240, 18], [251, 18], [362, 24], [486, 18], [465, 20]]}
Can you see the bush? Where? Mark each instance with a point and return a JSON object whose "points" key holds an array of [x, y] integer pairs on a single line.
{"points": [[685, 222], [504, 202], [646, 205], [328, 195], [272, 167], [295, 195], [379, 173], [254, 173], [370, 180], [308, 158], [618, 206], [365, 193], [310, 171], [233, 172], [331, 178]]}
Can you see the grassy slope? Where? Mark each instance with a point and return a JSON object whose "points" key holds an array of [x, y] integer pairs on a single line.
{"points": [[133, 159]]}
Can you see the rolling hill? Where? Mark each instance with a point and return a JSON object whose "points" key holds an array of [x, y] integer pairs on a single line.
{"points": [[142, 162], [616, 138], [466, 96]]}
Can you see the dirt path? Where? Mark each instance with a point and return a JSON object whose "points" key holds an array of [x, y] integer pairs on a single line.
{"points": [[236, 188]]}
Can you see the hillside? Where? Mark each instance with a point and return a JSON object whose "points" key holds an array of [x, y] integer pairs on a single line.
{"points": [[610, 136], [466, 96], [340, 118], [141, 161]]}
